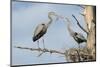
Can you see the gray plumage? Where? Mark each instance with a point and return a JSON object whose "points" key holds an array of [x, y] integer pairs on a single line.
{"points": [[40, 30], [78, 37]]}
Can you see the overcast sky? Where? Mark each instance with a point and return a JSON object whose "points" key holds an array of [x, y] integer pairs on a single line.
{"points": [[27, 15]]}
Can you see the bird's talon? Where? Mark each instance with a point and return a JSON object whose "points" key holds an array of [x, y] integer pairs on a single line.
{"points": [[44, 49], [39, 48], [50, 52]]}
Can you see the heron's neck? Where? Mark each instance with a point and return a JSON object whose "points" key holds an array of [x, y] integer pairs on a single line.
{"points": [[68, 22], [50, 20], [70, 30]]}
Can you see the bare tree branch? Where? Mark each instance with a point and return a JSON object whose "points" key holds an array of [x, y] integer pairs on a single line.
{"points": [[79, 24], [42, 50], [71, 54], [81, 6]]}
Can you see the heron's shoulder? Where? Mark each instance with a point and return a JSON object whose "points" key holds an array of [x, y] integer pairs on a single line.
{"points": [[80, 35], [39, 28], [41, 24]]}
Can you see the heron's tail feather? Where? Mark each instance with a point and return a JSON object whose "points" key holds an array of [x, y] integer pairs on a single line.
{"points": [[85, 40], [34, 39]]}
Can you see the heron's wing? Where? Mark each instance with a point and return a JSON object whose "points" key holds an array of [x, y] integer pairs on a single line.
{"points": [[80, 36], [38, 29]]}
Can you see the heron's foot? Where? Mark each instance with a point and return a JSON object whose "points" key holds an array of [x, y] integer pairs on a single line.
{"points": [[44, 49], [50, 52], [39, 49]]}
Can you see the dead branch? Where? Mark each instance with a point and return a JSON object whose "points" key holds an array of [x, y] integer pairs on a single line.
{"points": [[71, 54], [40, 49], [81, 6], [79, 24]]}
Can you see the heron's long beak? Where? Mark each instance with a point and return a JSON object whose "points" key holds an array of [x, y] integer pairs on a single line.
{"points": [[59, 16]]}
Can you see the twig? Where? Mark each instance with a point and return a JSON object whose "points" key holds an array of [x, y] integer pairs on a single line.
{"points": [[78, 55], [42, 50], [81, 6], [79, 24]]}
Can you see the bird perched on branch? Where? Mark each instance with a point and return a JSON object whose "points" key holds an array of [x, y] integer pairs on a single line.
{"points": [[78, 37], [41, 29]]}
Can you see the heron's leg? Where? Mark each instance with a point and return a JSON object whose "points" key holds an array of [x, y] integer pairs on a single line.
{"points": [[79, 46], [79, 51], [43, 43], [38, 45]]}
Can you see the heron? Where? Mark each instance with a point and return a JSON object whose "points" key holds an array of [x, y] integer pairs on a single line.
{"points": [[78, 37], [41, 29]]}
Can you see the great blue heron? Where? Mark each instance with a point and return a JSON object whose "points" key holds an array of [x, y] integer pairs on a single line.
{"points": [[41, 29], [78, 37]]}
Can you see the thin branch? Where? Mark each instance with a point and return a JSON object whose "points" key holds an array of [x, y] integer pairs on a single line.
{"points": [[81, 6], [42, 50], [82, 14], [79, 24], [78, 55]]}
